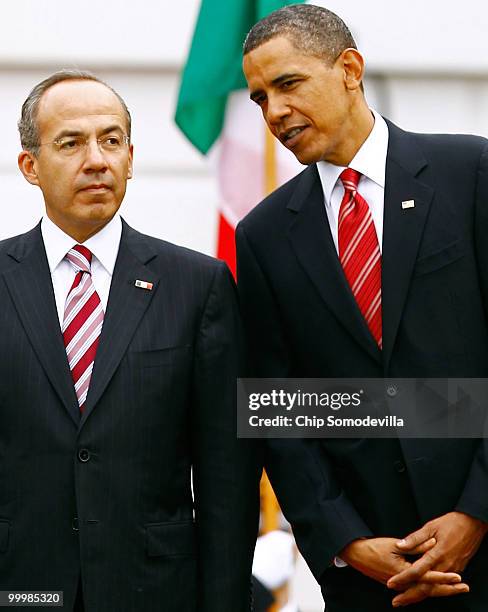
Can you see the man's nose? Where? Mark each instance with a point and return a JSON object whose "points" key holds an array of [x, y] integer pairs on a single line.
{"points": [[277, 109], [94, 157]]}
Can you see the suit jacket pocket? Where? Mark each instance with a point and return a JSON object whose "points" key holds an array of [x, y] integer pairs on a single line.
{"points": [[440, 258], [4, 535], [170, 539], [160, 357]]}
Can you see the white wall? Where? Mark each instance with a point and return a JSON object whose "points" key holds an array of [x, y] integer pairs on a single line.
{"points": [[427, 70]]}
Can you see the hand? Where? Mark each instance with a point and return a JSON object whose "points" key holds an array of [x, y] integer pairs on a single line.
{"points": [[457, 536], [380, 559]]}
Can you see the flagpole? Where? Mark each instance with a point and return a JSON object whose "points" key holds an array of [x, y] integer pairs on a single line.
{"points": [[270, 506], [270, 165]]}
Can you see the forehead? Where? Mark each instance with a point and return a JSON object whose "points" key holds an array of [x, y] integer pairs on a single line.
{"points": [[80, 105], [278, 56]]}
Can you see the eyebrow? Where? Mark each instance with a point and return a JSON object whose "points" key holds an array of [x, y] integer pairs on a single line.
{"points": [[73, 132], [284, 77], [276, 81]]}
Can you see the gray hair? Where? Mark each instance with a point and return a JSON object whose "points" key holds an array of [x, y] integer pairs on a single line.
{"points": [[27, 124], [314, 30]]}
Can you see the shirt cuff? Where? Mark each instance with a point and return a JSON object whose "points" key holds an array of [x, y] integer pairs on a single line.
{"points": [[338, 562]]}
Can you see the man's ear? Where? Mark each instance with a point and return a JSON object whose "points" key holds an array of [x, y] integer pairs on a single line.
{"points": [[353, 65], [28, 166], [131, 159]]}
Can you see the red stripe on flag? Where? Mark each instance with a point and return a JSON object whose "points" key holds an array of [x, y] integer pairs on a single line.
{"points": [[226, 246]]}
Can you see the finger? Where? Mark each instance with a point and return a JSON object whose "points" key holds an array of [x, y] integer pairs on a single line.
{"points": [[415, 572], [418, 593], [446, 590], [414, 594], [421, 548], [416, 538], [433, 577]]}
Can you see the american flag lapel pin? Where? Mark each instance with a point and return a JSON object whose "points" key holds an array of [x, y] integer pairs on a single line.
{"points": [[408, 204], [143, 285]]}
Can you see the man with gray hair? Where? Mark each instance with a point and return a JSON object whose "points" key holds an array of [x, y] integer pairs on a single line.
{"points": [[122, 483], [371, 263]]}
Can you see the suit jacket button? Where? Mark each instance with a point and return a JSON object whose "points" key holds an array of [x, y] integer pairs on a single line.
{"points": [[84, 455], [75, 524], [399, 467]]}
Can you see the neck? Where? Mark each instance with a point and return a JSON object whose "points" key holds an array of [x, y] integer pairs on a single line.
{"points": [[361, 124], [80, 234]]}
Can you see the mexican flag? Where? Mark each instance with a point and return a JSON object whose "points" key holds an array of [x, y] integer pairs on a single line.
{"points": [[215, 113]]}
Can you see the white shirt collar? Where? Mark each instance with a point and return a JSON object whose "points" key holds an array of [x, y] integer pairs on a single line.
{"points": [[104, 244], [370, 160]]}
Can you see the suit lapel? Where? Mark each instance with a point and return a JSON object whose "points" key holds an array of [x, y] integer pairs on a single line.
{"points": [[126, 306], [312, 242], [402, 228], [30, 286]]}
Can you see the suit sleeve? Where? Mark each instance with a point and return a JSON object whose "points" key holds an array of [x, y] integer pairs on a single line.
{"points": [[322, 518], [474, 498], [226, 470]]}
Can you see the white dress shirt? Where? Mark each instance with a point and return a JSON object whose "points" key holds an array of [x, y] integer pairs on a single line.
{"points": [[370, 161], [104, 245]]}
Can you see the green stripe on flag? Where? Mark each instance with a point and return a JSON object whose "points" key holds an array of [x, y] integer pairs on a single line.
{"points": [[214, 65]]}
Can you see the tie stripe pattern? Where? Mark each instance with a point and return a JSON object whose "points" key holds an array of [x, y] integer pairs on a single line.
{"points": [[82, 322], [359, 252]]}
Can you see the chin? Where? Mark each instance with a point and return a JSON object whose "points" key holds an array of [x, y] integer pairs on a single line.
{"points": [[98, 205], [307, 158]]}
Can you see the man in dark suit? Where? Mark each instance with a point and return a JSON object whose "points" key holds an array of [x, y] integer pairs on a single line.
{"points": [[122, 483], [372, 262]]}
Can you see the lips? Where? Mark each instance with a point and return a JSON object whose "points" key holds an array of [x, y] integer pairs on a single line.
{"points": [[290, 136], [95, 187]]}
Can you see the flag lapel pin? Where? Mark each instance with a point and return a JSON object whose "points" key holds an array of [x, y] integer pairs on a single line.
{"points": [[143, 285], [408, 204]]}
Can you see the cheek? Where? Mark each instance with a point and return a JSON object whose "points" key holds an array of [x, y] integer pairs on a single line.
{"points": [[121, 171], [55, 179], [58, 187]]}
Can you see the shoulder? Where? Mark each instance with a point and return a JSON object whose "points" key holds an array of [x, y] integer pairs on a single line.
{"points": [[277, 206], [24, 239], [164, 256], [15, 248], [7, 244], [453, 146], [465, 148]]}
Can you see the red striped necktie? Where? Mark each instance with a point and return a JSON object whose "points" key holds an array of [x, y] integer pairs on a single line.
{"points": [[82, 323], [359, 252]]}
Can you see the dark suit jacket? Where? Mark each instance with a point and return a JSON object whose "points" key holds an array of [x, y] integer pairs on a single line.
{"points": [[109, 496], [302, 321]]}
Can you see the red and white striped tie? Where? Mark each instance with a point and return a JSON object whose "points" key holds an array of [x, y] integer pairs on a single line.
{"points": [[82, 323], [359, 252]]}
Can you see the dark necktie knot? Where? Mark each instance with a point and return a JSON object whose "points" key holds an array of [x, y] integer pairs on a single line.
{"points": [[80, 258], [350, 179]]}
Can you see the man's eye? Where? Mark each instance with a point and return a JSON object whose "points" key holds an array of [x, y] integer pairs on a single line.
{"points": [[68, 144], [112, 141], [287, 84]]}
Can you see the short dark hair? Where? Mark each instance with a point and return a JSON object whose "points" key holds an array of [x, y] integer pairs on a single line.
{"points": [[28, 128], [312, 29]]}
